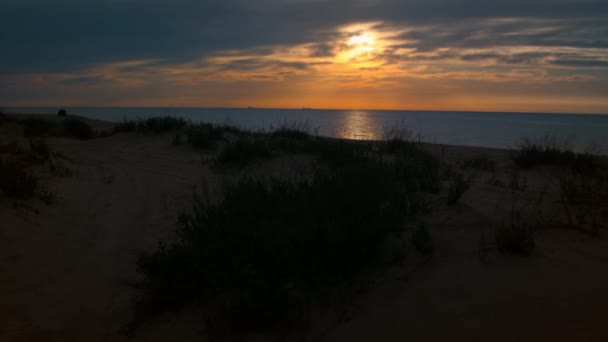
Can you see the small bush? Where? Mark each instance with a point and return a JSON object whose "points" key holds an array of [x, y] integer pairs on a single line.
{"points": [[295, 131], [62, 112], [457, 187], [151, 125], [243, 151], [546, 151], [78, 129], [204, 135], [584, 198], [482, 163], [515, 238], [269, 250], [16, 180]]}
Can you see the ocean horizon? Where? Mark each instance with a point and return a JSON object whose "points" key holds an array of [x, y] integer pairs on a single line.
{"points": [[580, 132]]}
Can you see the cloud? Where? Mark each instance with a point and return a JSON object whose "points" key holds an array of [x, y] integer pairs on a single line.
{"points": [[296, 47]]}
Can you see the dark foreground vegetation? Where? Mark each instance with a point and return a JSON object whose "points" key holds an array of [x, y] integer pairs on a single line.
{"points": [[272, 251], [259, 260]]}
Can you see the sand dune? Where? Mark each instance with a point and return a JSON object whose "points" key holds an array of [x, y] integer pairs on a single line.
{"points": [[64, 272]]}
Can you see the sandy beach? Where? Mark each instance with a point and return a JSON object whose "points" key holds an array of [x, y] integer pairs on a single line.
{"points": [[66, 267]]}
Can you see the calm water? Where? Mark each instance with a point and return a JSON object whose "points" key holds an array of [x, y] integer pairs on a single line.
{"points": [[500, 130]]}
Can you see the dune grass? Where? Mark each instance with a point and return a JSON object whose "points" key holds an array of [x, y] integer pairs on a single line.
{"points": [[548, 151], [257, 260], [584, 199], [79, 129], [243, 151], [158, 124], [16, 179]]}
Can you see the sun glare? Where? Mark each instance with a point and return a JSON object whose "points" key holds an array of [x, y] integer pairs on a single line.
{"points": [[362, 40]]}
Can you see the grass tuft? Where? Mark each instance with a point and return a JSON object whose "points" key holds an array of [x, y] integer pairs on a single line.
{"points": [[16, 179]]}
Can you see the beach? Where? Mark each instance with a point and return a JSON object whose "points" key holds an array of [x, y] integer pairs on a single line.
{"points": [[66, 268]]}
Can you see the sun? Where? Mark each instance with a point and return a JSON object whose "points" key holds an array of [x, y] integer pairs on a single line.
{"points": [[361, 44], [363, 39]]}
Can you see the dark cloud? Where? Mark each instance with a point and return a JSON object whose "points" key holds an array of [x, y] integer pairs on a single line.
{"points": [[86, 81], [66, 35], [252, 64], [580, 63]]}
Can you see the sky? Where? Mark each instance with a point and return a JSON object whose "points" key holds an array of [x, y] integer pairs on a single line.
{"points": [[477, 55]]}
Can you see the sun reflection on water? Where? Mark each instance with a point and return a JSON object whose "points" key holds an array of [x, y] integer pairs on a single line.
{"points": [[358, 125]]}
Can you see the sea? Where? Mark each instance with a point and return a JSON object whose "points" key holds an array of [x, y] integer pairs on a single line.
{"points": [[580, 132]]}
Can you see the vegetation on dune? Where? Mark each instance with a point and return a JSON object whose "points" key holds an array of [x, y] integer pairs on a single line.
{"points": [[458, 185], [151, 125], [547, 151], [243, 151], [584, 198], [17, 179], [258, 259], [77, 128]]}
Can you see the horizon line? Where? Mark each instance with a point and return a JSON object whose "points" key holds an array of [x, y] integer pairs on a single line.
{"points": [[309, 109]]}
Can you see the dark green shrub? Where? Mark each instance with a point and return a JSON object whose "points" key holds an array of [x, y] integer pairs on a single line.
{"points": [[16, 180], [584, 198], [546, 151], [243, 151], [204, 135], [62, 112], [77, 128], [293, 131], [256, 260], [515, 238], [151, 125]]}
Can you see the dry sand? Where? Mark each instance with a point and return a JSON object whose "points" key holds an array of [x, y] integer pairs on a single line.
{"points": [[64, 271]]}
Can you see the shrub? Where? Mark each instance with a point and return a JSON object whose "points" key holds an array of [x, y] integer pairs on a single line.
{"points": [[257, 259], [584, 198], [204, 135], [62, 112], [151, 125], [77, 128], [457, 187], [16, 180], [243, 151], [295, 131], [515, 238], [546, 151]]}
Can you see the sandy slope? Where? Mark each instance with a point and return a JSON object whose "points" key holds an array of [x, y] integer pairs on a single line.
{"points": [[67, 266], [63, 272]]}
